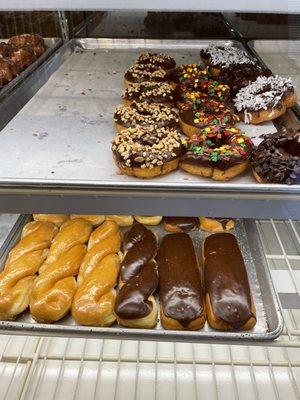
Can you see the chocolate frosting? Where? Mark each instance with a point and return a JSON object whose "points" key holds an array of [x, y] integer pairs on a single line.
{"points": [[184, 223], [132, 300], [180, 289], [226, 280], [141, 245], [154, 92], [160, 60], [277, 157]]}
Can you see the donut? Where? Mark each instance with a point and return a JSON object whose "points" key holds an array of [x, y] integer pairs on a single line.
{"points": [[218, 153], [240, 75], [187, 73], [154, 92], [202, 90], [26, 39], [210, 112], [265, 99], [219, 58], [144, 73], [147, 152], [160, 60], [210, 224], [23, 56], [277, 158], [145, 114], [4, 49], [148, 220], [205, 54], [8, 70]]}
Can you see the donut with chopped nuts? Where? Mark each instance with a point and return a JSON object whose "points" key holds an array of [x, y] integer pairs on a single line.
{"points": [[265, 99], [187, 73], [277, 158], [160, 60], [147, 152], [8, 70], [23, 56], [218, 153], [145, 114], [27, 40], [154, 92], [210, 112], [138, 73]]}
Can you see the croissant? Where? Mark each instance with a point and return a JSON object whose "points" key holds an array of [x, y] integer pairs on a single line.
{"points": [[95, 297], [71, 233], [53, 290], [23, 262], [57, 219], [95, 220]]}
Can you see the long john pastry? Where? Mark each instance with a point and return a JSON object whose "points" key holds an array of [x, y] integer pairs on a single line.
{"points": [[23, 262], [180, 287], [229, 304], [95, 297], [53, 291], [135, 304]]}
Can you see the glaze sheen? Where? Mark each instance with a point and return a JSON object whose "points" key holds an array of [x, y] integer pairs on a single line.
{"points": [[183, 223], [180, 288]]}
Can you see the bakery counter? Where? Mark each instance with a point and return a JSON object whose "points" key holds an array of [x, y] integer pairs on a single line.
{"points": [[56, 152]]}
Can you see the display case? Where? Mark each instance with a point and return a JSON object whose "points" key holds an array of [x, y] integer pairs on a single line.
{"points": [[55, 157]]}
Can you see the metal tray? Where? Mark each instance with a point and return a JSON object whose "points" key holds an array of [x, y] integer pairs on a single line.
{"points": [[269, 319], [59, 143]]}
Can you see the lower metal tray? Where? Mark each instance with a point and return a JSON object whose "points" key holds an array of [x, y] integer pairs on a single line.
{"points": [[269, 319]]}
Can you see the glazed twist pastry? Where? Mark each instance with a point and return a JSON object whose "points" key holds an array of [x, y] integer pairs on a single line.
{"points": [[106, 239], [55, 287], [95, 220], [71, 233], [57, 219], [135, 305], [95, 298], [23, 262]]}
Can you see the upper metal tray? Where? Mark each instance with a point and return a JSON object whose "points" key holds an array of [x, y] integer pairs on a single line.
{"points": [[59, 143], [269, 319]]}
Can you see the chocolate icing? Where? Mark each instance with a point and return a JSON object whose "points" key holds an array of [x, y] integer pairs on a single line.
{"points": [[154, 92], [226, 280], [132, 300], [145, 73], [277, 157], [180, 289], [160, 60], [183, 223], [141, 245]]}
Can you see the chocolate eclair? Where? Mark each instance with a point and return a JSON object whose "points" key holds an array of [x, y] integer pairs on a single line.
{"points": [[180, 224], [180, 287], [135, 305], [229, 304]]}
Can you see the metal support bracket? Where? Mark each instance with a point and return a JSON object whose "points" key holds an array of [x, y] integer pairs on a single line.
{"points": [[63, 22]]}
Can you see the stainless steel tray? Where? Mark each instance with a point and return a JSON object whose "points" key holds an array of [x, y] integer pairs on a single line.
{"points": [[269, 319], [59, 143]]}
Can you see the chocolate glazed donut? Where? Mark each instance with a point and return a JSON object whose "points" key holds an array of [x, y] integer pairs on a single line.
{"points": [[180, 286], [135, 305], [229, 303]]}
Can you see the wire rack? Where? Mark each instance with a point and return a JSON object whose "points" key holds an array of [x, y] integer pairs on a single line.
{"points": [[65, 368]]}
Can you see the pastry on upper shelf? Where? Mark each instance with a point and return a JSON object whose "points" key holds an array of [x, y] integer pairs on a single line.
{"points": [[265, 99], [160, 60], [229, 303], [147, 152], [153, 92], [180, 286], [8, 70], [210, 224], [29, 40], [121, 220], [180, 224], [208, 113], [95, 219], [277, 158], [139, 73], [218, 153], [135, 304], [57, 219], [145, 114], [148, 220]]}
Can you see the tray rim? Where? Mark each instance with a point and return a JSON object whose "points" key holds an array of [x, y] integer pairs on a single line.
{"points": [[37, 329]]}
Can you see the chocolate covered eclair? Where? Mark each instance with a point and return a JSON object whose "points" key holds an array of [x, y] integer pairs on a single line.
{"points": [[229, 303], [180, 287], [180, 224], [135, 305]]}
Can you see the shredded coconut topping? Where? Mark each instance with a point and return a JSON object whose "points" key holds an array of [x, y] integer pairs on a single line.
{"points": [[262, 94], [229, 56]]}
